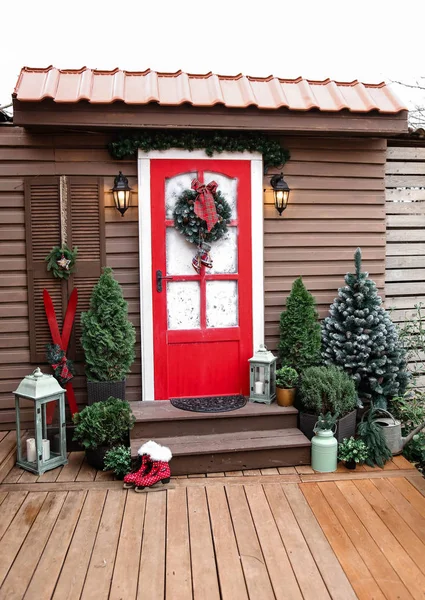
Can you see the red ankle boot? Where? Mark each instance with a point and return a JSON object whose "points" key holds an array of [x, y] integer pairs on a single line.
{"points": [[159, 472]]}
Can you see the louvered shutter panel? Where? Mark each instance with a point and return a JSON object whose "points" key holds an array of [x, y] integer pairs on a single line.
{"points": [[42, 214], [86, 231]]}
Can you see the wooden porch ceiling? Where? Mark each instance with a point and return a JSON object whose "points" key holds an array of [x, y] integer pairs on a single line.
{"points": [[281, 533]]}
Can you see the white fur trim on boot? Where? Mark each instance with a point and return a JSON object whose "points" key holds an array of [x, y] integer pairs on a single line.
{"points": [[161, 453], [148, 448]]}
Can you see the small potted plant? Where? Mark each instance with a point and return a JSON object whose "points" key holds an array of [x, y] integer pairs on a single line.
{"points": [[352, 452], [101, 426], [108, 340], [118, 459], [286, 382], [328, 389]]}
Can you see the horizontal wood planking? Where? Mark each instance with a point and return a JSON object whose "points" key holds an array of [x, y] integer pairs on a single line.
{"points": [[405, 222], [22, 154], [326, 220]]}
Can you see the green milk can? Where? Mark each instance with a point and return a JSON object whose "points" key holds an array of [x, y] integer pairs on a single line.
{"points": [[324, 451]]}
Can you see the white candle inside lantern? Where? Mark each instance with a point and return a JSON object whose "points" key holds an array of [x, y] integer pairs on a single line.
{"points": [[31, 453], [259, 387], [46, 449]]}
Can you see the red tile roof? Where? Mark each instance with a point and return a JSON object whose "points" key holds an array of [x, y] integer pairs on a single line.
{"points": [[173, 89]]}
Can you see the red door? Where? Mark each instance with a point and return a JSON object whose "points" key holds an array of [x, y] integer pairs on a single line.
{"points": [[202, 323]]}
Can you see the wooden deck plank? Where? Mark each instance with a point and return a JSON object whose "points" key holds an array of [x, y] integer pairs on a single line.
{"points": [[232, 582], [27, 477], [305, 569], [24, 565], [104, 476], [269, 471], [3, 434], [404, 566], [385, 575], [152, 563], [70, 470], [402, 462], [287, 470], [417, 482], [178, 575], [7, 444], [10, 506], [127, 562], [305, 470], [333, 575], [416, 499], [204, 569], [253, 563], [49, 567], [3, 496], [101, 567], [18, 531], [279, 567], [50, 476], [395, 523], [13, 475], [351, 561], [251, 472], [402, 506], [73, 573], [233, 473], [217, 474], [86, 472]]}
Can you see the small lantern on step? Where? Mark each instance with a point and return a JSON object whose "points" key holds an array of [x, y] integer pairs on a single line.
{"points": [[263, 376], [47, 449]]}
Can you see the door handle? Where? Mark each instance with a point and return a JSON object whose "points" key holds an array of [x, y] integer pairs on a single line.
{"points": [[160, 279]]}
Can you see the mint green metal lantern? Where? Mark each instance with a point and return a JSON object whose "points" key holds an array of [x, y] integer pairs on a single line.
{"points": [[37, 455], [262, 376]]}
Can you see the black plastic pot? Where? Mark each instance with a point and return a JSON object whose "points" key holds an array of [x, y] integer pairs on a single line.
{"points": [[96, 457], [99, 391], [351, 464], [346, 426]]}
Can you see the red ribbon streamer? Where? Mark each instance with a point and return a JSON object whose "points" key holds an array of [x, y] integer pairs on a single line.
{"points": [[62, 341], [204, 204]]}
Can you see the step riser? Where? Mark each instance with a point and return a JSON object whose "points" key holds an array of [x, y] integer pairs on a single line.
{"points": [[159, 429], [236, 461]]}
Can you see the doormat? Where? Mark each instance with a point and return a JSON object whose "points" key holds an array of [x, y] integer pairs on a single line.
{"points": [[209, 404]]}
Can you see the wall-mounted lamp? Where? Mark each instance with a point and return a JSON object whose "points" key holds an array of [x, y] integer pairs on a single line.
{"points": [[121, 192], [281, 192]]}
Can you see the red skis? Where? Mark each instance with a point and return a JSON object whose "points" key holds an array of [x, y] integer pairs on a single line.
{"points": [[62, 341]]}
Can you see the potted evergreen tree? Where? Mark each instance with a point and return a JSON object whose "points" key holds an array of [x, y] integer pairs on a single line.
{"points": [[102, 426], [328, 389], [108, 340], [300, 336], [359, 336]]}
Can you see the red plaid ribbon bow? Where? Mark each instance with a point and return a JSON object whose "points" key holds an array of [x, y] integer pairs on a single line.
{"points": [[204, 203], [64, 373]]}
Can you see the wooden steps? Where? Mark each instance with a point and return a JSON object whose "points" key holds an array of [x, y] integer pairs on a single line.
{"points": [[253, 437]]}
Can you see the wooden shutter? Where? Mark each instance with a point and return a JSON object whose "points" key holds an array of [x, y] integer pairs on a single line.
{"points": [[86, 231], [43, 231]]}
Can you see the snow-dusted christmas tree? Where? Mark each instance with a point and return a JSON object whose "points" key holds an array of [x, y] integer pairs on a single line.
{"points": [[359, 336]]}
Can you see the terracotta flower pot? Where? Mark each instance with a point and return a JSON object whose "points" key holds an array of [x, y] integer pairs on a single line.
{"points": [[285, 396]]}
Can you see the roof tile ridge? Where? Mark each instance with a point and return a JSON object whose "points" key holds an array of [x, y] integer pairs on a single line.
{"points": [[278, 92], [307, 95], [336, 94], [365, 97]]}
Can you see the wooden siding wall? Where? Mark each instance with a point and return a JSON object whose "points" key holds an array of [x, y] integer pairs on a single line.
{"points": [[22, 155], [405, 208], [337, 203]]}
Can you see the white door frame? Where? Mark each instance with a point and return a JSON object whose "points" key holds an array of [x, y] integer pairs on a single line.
{"points": [[145, 251]]}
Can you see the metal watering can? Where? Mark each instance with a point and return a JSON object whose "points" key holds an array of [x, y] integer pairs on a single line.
{"points": [[391, 428]]}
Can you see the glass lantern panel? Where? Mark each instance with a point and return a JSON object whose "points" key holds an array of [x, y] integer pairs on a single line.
{"points": [[50, 430]]}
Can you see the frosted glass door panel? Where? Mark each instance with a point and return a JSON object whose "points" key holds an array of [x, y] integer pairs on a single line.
{"points": [[174, 187], [179, 253], [227, 186], [222, 303], [183, 305], [224, 253]]}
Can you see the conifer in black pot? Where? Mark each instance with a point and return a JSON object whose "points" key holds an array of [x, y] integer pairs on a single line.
{"points": [[108, 340]]}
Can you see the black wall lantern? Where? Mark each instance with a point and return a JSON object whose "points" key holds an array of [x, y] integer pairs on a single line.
{"points": [[121, 192], [281, 192]]}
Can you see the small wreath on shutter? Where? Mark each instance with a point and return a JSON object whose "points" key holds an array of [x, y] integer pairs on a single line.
{"points": [[61, 261], [193, 228]]}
